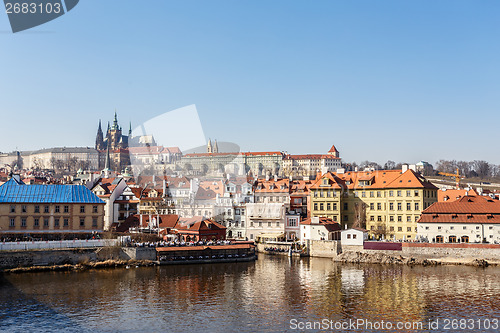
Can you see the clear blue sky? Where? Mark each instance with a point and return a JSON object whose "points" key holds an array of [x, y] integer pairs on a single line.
{"points": [[399, 80]]}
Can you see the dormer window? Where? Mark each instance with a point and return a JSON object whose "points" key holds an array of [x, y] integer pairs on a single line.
{"points": [[325, 181]]}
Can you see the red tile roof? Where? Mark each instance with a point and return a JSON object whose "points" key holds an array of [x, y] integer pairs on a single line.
{"points": [[333, 149], [452, 194], [380, 179]]}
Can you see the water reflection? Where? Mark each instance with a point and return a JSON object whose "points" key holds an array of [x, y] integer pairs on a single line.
{"points": [[246, 297]]}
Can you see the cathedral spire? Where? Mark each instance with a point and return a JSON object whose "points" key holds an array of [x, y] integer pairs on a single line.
{"points": [[99, 140], [130, 130], [115, 123]]}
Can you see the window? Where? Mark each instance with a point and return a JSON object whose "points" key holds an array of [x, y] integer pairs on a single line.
{"points": [[348, 236], [334, 206], [371, 194], [260, 224], [372, 206], [400, 218], [408, 218], [346, 218], [372, 227], [292, 222], [82, 209], [321, 206], [379, 218], [328, 206], [278, 224], [416, 193], [315, 206], [66, 222], [23, 222], [12, 208], [354, 236], [379, 206], [408, 206], [82, 222], [66, 209], [12, 222], [399, 206], [56, 222], [46, 209], [391, 218], [391, 206], [56, 209], [37, 209], [391, 228], [417, 207], [45, 222], [372, 218], [426, 228], [379, 194], [24, 209], [399, 193], [363, 194], [345, 206], [400, 228], [94, 209], [37, 222], [391, 193], [408, 193]]}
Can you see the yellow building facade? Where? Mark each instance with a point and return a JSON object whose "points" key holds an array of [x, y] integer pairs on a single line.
{"points": [[386, 202]]}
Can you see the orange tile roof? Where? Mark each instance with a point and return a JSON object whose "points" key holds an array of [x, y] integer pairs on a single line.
{"points": [[380, 179], [264, 153], [333, 149], [311, 157], [465, 205], [453, 194], [273, 185]]}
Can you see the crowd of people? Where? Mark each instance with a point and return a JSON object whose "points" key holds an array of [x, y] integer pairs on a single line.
{"points": [[202, 242]]}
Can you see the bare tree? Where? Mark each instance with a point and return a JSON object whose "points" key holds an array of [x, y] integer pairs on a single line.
{"points": [[482, 168], [390, 165], [380, 231], [359, 215]]}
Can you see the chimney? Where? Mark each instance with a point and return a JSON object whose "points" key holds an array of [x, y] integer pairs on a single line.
{"points": [[315, 219], [275, 178], [404, 168]]}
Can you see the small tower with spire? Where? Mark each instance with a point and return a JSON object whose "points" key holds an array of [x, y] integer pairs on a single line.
{"points": [[216, 148], [209, 147], [107, 165]]}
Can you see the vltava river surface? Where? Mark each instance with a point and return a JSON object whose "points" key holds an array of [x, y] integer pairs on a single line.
{"points": [[273, 294]]}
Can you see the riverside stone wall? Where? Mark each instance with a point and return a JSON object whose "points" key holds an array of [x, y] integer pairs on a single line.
{"points": [[14, 259], [440, 252]]}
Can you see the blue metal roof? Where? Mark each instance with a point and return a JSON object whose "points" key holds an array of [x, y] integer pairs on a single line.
{"points": [[13, 191]]}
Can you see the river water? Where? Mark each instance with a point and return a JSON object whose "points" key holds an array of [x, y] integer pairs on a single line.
{"points": [[273, 294]]}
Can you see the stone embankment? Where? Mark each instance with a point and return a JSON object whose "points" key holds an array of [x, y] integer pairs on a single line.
{"points": [[83, 266], [381, 258]]}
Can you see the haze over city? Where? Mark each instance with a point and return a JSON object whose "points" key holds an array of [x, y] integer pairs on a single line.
{"points": [[405, 81]]}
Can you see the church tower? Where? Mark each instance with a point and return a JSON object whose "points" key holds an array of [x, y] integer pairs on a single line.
{"points": [[209, 147], [216, 149], [99, 140]]}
